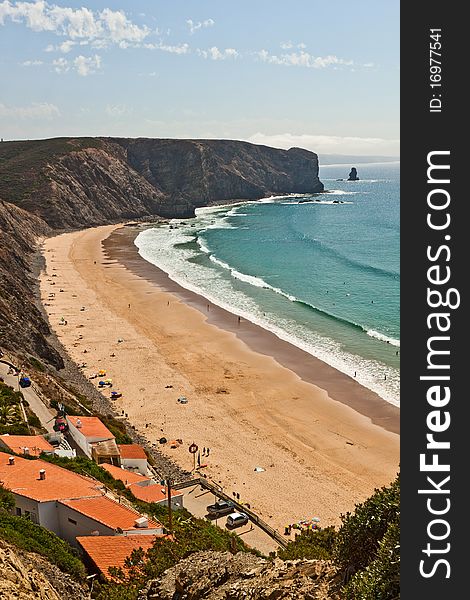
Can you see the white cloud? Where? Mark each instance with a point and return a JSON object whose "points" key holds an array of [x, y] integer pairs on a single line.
{"points": [[31, 63], [330, 144], [83, 65], [303, 59], [289, 45], [36, 110], [66, 46], [179, 49], [215, 54], [199, 25], [86, 65], [117, 110], [108, 26], [61, 65]]}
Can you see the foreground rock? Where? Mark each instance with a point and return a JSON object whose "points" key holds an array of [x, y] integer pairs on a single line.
{"points": [[27, 576], [224, 576]]}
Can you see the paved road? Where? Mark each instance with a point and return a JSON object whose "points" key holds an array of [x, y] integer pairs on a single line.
{"points": [[197, 498], [35, 403]]}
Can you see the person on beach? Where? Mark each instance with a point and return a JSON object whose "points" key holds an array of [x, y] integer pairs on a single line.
{"points": [[238, 320]]}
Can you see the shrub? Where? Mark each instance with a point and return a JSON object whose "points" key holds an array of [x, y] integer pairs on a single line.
{"points": [[36, 364], [381, 579], [34, 421], [33, 538], [360, 534], [20, 428], [318, 543], [7, 500]]}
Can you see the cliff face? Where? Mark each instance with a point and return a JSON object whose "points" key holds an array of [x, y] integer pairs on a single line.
{"points": [[91, 181], [68, 183], [243, 576], [27, 576], [193, 173], [21, 324]]}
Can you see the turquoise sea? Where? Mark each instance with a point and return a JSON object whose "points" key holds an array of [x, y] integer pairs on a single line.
{"points": [[321, 272]]}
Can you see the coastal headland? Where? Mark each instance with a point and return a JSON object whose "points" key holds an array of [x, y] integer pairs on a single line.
{"points": [[323, 441]]}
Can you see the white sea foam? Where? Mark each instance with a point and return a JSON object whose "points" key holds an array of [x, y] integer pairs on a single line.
{"points": [[341, 193], [383, 338], [357, 182], [251, 279], [316, 202], [158, 247]]}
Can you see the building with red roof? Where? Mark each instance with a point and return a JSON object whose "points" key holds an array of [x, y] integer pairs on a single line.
{"points": [[94, 439], [67, 503], [133, 458], [104, 552], [28, 445], [144, 488]]}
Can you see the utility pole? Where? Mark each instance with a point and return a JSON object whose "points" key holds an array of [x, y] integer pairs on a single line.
{"points": [[170, 513]]}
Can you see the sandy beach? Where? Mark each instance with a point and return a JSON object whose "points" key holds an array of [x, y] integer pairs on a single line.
{"points": [[324, 441]]}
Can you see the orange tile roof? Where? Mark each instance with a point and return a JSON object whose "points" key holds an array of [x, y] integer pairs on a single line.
{"points": [[111, 551], [35, 443], [91, 427], [109, 513], [131, 451], [127, 477], [152, 493], [23, 478], [148, 493]]}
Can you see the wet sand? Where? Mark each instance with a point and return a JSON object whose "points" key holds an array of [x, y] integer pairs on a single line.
{"points": [[324, 441]]}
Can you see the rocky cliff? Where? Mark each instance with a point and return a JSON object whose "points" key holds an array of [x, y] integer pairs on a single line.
{"points": [[68, 183], [21, 324], [221, 575], [27, 576], [90, 181]]}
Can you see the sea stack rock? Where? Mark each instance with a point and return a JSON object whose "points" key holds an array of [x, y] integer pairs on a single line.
{"points": [[353, 175]]}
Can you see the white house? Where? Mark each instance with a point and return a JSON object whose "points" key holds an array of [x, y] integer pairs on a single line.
{"points": [[133, 458], [93, 438], [146, 489], [66, 503]]}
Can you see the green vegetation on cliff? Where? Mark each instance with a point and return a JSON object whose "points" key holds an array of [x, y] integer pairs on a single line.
{"points": [[24, 534], [21, 164], [366, 549], [10, 414]]}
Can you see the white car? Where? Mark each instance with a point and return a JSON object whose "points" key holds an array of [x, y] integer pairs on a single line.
{"points": [[236, 519]]}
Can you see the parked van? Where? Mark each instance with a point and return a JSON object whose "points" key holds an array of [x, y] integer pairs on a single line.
{"points": [[236, 519]]}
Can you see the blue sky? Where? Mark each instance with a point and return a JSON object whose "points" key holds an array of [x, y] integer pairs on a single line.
{"points": [[321, 75]]}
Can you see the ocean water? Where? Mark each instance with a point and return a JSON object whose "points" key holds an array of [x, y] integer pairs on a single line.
{"points": [[320, 271]]}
